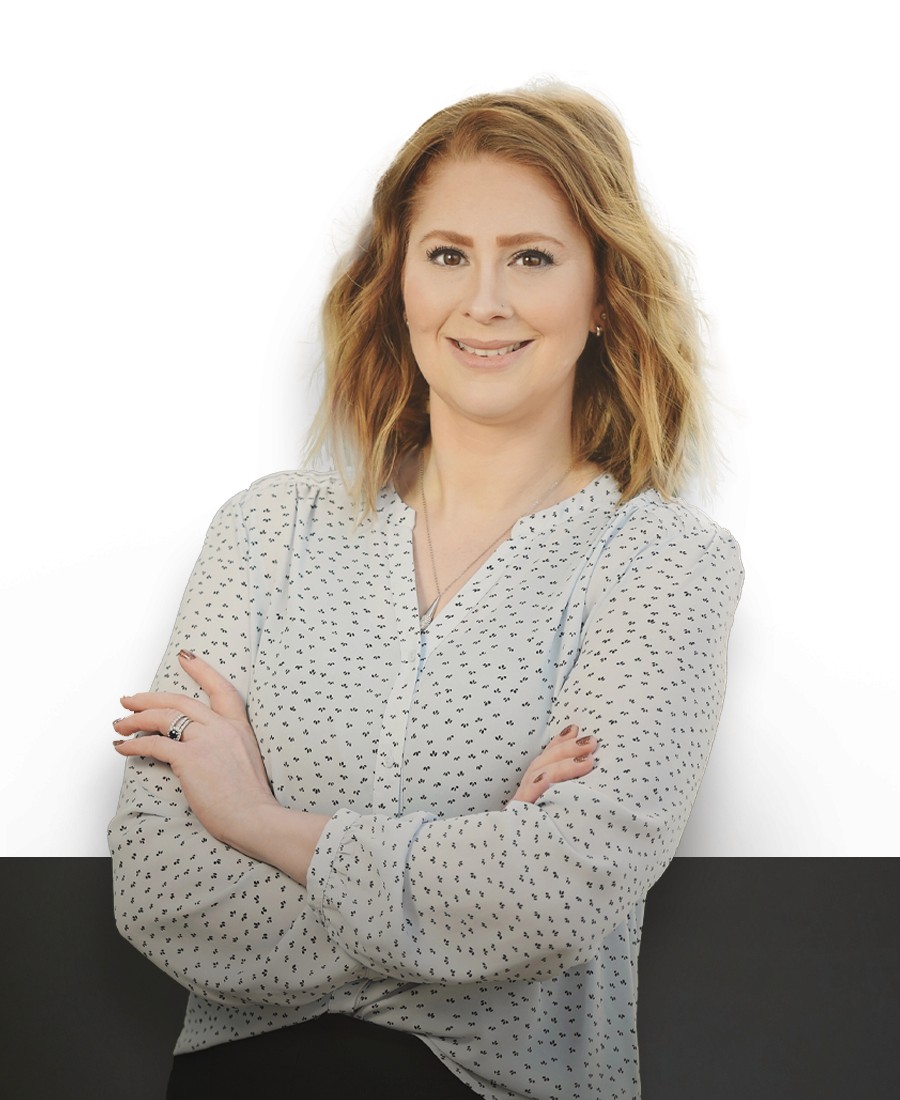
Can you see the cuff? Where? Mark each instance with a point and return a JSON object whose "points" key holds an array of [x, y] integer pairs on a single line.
{"points": [[323, 862]]}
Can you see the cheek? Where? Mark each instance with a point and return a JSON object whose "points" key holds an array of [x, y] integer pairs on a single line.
{"points": [[574, 313], [427, 303], [413, 299]]}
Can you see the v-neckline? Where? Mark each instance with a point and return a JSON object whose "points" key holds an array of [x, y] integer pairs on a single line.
{"points": [[473, 588]]}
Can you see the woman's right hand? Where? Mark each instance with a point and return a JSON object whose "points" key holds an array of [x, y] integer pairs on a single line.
{"points": [[568, 756]]}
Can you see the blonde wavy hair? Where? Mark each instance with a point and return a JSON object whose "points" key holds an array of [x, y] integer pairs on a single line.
{"points": [[639, 407]]}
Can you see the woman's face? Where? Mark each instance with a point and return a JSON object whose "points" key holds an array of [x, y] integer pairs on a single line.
{"points": [[500, 292]]}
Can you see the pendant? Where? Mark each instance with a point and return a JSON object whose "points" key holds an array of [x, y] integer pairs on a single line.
{"points": [[427, 616]]}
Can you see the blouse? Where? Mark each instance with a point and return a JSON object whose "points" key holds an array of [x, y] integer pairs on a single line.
{"points": [[503, 934]]}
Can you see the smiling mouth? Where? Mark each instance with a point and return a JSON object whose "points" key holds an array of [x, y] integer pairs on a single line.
{"points": [[490, 353]]}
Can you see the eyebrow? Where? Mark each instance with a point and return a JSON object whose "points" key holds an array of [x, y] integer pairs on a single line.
{"points": [[504, 242]]}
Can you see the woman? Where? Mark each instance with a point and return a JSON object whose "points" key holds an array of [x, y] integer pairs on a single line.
{"points": [[460, 698]]}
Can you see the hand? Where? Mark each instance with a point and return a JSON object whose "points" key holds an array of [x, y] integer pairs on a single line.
{"points": [[568, 756], [217, 761]]}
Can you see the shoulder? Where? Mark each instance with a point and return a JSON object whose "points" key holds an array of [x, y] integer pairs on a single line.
{"points": [[649, 518], [293, 485], [672, 539], [311, 503], [288, 492]]}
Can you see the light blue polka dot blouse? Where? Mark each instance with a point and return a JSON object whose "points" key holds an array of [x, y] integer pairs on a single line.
{"points": [[504, 935]]}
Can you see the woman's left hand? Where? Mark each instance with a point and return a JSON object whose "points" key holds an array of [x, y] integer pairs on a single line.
{"points": [[568, 756], [217, 759]]}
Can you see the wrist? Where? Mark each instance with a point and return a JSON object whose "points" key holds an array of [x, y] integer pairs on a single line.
{"points": [[284, 838]]}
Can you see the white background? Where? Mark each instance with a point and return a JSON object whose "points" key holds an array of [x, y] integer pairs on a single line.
{"points": [[180, 178]]}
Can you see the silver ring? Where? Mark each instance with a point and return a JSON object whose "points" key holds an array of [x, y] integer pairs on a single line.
{"points": [[178, 727]]}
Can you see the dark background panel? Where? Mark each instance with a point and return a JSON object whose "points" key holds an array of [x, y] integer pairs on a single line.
{"points": [[760, 979], [763, 979], [85, 1016]]}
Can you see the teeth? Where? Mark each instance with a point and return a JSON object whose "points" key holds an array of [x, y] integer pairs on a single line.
{"points": [[489, 353]]}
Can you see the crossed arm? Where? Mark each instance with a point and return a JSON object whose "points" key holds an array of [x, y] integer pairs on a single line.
{"points": [[221, 773], [249, 903]]}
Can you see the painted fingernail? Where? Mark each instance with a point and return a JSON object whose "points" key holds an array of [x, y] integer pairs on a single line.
{"points": [[538, 778], [118, 742], [116, 721], [186, 654], [568, 731], [586, 740], [581, 759]]}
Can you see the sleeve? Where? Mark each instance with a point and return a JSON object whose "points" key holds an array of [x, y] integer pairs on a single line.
{"points": [[229, 928], [531, 891]]}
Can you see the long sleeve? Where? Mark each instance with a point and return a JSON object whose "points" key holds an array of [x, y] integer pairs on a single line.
{"points": [[531, 891], [229, 928], [429, 907]]}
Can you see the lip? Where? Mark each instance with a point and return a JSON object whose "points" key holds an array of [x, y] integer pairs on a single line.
{"points": [[487, 353], [485, 345]]}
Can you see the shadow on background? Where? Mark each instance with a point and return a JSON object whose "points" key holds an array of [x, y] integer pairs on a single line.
{"points": [[760, 979]]}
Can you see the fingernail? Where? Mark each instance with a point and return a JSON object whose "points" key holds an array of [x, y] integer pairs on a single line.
{"points": [[568, 731], [581, 759], [116, 721], [118, 742], [186, 654], [584, 740], [538, 778]]}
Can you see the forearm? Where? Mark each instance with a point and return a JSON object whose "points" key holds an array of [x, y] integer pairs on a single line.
{"points": [[531, 891], [517, 894], [231, 928], [283, 838]]}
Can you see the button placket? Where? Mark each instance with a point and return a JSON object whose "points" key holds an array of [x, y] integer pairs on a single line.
{"points": [[387, 780]]}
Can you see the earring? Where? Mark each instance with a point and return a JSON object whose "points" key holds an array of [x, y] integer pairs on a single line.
{"points": [[598, 331]]}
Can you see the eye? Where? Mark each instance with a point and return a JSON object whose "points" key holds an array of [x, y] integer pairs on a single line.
{"points": [[446, 257], [534, 257]]}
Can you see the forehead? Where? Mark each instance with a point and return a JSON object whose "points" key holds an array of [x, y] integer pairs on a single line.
{"points": [[491, 189]]}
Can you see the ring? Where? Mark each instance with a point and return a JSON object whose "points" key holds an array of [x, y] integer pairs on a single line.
{"points": [[178, 727]]}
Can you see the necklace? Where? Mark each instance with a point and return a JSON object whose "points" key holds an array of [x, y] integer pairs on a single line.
{"points": [[426, 618]]}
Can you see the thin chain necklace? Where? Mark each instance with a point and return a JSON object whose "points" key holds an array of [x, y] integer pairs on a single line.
{"points": [[426, 618]]}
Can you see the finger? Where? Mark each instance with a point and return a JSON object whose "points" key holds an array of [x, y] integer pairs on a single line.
{"points": [[224, 697], [563, 750], [169, 700], [538, 780], [148, 721], [577, 746], [159, 748], [564, 737], [559, 773]]}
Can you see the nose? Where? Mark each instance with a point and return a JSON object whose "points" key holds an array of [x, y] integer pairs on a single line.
{"points": [[487, 298]]}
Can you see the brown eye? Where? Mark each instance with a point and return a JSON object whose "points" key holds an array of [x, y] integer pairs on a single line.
{"points": [[533, 257], [446, 257]]}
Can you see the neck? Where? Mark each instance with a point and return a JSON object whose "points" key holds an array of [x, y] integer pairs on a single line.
{"points": [[470, 486], [473, 469]]}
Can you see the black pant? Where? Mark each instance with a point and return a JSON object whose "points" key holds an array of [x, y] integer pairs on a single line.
{"points": [[329, 1058]]}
